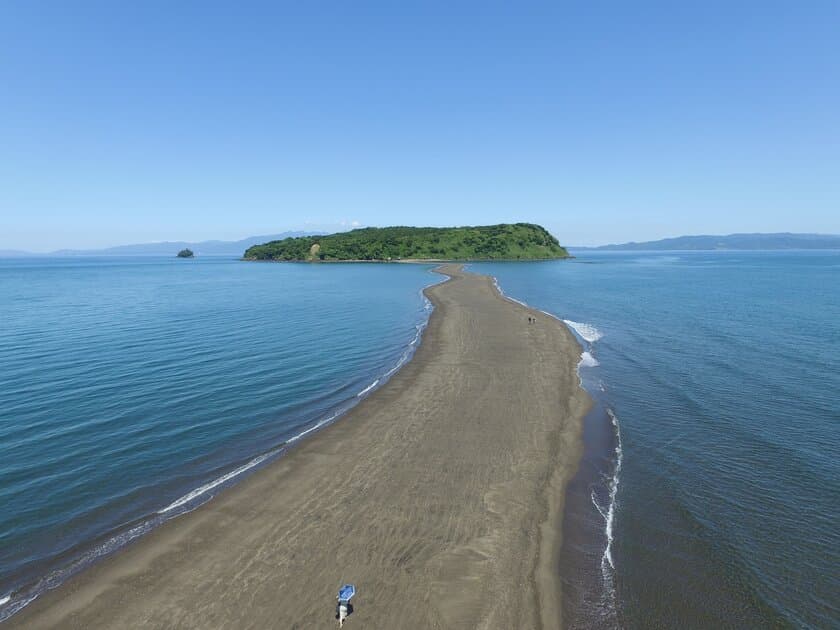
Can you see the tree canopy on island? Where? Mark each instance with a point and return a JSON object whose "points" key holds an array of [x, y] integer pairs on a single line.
{"points": [[516, 241], [185, 253]]}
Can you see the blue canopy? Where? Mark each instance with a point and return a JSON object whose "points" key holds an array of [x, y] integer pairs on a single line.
{"points": [[346, 592]]}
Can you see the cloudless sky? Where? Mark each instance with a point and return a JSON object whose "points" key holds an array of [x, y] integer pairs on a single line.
{"points": [[604, 121]]}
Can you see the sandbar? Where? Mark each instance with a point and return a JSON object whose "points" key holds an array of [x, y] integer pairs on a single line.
{"points": [[440, 496]]}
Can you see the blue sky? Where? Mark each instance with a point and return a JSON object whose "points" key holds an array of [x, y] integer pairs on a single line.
{"points": [[603, 121]]}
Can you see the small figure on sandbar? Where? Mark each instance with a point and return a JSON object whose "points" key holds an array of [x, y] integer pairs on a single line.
{"points": [[344, 608]]}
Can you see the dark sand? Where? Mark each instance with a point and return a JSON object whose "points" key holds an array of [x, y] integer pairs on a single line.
{"points": [[440, 496]]}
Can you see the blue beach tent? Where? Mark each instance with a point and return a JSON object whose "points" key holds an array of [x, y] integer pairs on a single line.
{"points": [[345, 593]]}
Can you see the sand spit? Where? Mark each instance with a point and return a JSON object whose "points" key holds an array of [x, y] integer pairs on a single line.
{"points": [[440, 496]]}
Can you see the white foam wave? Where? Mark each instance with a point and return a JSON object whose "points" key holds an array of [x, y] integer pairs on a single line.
{"points": [[15, 606], [219, 481], [505, 295], [399, 364], [551, 315], [56, 577], [367, 389], [608, 514], [261, 458], [587, 332], [587, 360], [417, 335], [314, 427], [609, 517]]}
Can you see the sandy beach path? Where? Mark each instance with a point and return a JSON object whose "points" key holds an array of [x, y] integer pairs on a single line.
{"points": [[440, 496]]}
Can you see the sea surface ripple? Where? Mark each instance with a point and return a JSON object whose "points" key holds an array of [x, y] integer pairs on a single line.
{"points": [[712, 470], [133, 389]]}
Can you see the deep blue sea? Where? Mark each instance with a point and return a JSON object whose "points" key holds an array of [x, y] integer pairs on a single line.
{"points": [[710, 491], [133, 389]]}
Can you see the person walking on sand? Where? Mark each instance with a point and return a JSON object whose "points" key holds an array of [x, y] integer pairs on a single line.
{"points": [[343, 608], [342, 613]]}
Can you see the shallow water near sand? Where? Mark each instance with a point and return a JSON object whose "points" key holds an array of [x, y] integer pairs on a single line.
{"points": [[134, 389], [716, 377]]}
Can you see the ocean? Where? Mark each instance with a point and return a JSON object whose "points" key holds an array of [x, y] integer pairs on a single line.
{"points": [[709, 495], [134, 389]]}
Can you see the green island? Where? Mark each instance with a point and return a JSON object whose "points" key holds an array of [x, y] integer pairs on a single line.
{"points": [[186, 253], [507, 241]]}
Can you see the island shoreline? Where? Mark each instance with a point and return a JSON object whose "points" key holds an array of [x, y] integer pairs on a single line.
{"points": [[74, 601], [409, 261]]}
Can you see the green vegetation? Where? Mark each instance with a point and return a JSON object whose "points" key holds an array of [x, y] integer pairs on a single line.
{"points": [[186, 253], [518, 241]]}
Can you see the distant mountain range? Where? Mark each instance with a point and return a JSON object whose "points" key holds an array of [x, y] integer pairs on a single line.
{"points": [[8, 253], [781, 240], [169, 248]]}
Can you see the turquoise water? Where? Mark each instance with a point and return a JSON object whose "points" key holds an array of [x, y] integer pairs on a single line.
{"points": [[133, 389], [717, 382]]}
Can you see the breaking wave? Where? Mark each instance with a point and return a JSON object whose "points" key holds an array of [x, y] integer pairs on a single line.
{"points": [[193, 494], [608, 512], [587, 360], [588, 332], [367, 389]]}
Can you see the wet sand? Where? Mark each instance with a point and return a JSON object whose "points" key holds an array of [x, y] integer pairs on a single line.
{"points": [[440, 496]]}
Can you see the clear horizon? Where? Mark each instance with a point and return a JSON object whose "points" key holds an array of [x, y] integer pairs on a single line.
{"points": [[619, 123]]}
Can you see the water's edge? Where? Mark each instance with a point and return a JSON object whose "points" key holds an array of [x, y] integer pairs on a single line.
{"points": [[85, 554], [586, 566]]}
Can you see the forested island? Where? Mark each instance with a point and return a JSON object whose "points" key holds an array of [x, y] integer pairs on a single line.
{"points": [[516, 241], [186, 253]]}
